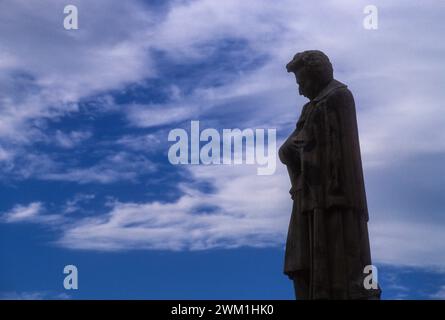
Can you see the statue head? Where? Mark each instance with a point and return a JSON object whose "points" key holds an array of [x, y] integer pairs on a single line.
{"points": [[313, 71]]}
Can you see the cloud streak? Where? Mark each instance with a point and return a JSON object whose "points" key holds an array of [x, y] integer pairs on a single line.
{"points": [[197, 220]]}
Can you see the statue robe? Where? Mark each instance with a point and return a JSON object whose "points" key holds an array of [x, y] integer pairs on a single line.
{"points": [[327, 244]]}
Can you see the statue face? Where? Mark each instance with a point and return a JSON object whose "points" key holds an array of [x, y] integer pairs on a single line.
{"points": [[306, 86]]}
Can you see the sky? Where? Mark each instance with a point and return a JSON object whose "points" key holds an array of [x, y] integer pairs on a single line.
{"points": [[84, 121]]}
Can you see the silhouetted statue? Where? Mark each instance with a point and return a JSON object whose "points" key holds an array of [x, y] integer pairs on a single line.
{"points": [[327, 245]]}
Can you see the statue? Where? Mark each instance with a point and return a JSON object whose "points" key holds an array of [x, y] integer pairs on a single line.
{"points": [[327, 246]]}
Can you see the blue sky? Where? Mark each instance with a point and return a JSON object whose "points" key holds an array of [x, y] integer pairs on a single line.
{"points": [[85, 116]]}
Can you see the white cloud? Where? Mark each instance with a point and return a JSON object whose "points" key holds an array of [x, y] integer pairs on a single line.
{"points": [[410, 243], [34, 212], [145, 143], [33, 295], [244, 210], [45, 69], [102, 58], [31, 213], [22, 296], [157, 115], [396, 84], [22, 213], [24, 165], [241, 209], [190, 26], [4, 154], [114, 167], [71, 139], [73, 205]]}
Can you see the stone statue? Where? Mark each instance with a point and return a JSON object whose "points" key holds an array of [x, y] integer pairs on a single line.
{"points": [[327, 246]]}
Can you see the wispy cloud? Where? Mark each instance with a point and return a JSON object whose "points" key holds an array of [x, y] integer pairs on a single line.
{"points": [[33, 295], [64, 66], [409, 243], [32, 212], [23, 213], [119, 166], [71, 139], [74, 204], [145, 142], [440, 294], [198, 220], [152, 115]]}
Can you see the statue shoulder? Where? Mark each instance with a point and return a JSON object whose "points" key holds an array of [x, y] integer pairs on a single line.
{"points": [[340, 97]]}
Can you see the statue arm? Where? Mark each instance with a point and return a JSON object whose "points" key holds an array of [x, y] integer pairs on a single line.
{"points": [[289, 152]]}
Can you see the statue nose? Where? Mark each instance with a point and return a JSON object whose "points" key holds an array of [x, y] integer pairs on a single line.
{"points": [[288, 66]]}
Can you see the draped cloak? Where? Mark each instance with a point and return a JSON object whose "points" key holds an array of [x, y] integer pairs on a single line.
{"points": [[328, 235]]}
